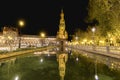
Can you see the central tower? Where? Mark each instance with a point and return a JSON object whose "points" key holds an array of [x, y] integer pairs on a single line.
{"points": [[62, 33]]}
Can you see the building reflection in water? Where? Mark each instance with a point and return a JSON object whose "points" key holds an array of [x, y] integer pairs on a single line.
{"points": [[62, 59], [112, 63]]}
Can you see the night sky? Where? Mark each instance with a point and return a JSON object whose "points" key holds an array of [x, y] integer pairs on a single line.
{"points": [[43, 15]]}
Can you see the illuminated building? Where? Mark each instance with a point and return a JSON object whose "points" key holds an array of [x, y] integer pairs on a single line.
{"points": [[9, 40]]}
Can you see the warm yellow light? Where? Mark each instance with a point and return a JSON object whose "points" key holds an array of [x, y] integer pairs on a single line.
{"points": [[21, 23], [91, 41], [101, 41], [42, 34], [9, 37], [85, 40], [76, 38], [82, 42], [111, 39], [109, 35], [93, 29]]}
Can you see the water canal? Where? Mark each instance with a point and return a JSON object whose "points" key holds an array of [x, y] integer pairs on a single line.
{"points": [[50, 65]]}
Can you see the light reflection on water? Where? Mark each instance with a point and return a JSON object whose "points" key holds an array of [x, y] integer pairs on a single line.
{"points": [[112, 63], [59, 66]]}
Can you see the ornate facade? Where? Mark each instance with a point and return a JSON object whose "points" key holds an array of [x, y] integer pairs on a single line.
{"points": [[9, 40]]}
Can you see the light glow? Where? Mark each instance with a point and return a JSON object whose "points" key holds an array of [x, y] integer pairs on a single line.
{"points": [[21, 23], [17, 78], [42, 34], [41, 60], [77, 59], [96, 77], [93, 29], [48, 54]]}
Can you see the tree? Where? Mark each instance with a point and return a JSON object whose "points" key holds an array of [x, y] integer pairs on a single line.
{"points": [[107, 14]]}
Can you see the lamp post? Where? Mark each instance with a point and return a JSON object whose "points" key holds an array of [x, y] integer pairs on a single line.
{"points": [[21, 24], [93, 37], [42, 35], [108, 44]]}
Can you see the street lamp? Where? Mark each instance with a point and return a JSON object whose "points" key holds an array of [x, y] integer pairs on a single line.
{"points": [[21, 24], [93, 36], [42, 35], [93, 30], [108, 43]]}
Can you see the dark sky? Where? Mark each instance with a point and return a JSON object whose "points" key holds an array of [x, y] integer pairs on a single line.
{"points": [[44, 15]]}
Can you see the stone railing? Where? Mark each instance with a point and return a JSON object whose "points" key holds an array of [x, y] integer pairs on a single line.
{"points": [[105, 49]]}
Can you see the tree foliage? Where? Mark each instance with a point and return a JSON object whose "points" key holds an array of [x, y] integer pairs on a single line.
{"points": [[107, 14]]}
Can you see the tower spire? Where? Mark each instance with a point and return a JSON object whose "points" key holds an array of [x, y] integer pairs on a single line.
{"points": [[62, 34], [62, 14]]}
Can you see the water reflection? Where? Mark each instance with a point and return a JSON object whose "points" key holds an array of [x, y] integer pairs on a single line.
{"points": [[105, 68], [96, 74], [59, 66], [111, 62], [17, 78], [6, 68], [62, 59]]}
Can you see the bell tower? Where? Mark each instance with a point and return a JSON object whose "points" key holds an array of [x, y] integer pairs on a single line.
{"points": [[62, 33]]}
